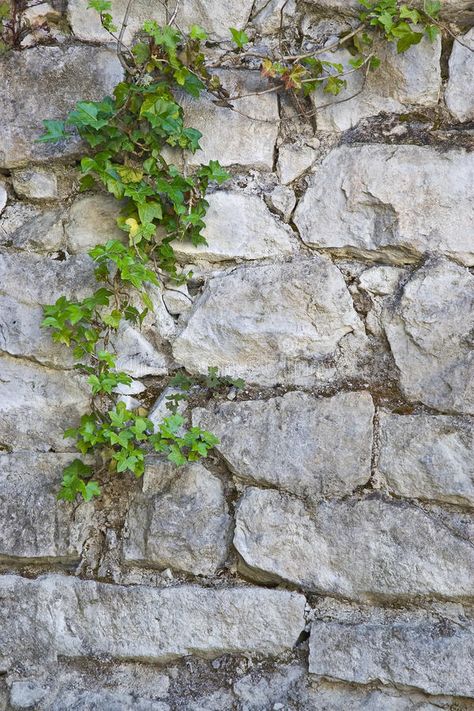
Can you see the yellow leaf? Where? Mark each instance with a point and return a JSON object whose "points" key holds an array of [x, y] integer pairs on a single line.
{"points": [[133, 225]]}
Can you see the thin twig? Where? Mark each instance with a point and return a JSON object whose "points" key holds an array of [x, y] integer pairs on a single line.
{"points": [[175, 12], [322, 50]]}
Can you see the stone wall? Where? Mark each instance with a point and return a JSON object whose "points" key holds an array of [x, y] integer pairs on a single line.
{"points": [[322, 557]]}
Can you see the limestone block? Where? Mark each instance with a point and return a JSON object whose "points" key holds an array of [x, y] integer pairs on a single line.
{"points": [[429, 328], [35, 525], [65, 616], [238, 226], [459, 94], [428, 650], [356, 549], [92, 220], [37, 404], [297, 317], [314, 447], [45, 83], [391, 200], [428, 457], [180, 521]]}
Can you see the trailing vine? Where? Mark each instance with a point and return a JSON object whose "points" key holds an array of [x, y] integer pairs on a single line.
{"points": [[127, 134]]}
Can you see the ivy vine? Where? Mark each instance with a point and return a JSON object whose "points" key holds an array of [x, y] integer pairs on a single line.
{"points": [[126, 134]]}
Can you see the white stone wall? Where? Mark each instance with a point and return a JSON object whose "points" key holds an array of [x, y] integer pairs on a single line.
{"points": [[322, 558]]}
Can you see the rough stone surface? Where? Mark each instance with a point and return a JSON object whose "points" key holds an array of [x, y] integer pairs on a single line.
{"points": [[216, 17], [429, 328], [313, 447], [37, 404], [27, 227], [3, 197], [241, 227], [37, 85], [56, 615], [92, 220], [428, 650], [369, 210], [402, 80], [428, 457], [244, 137], [34, 523], [293, 161], [36, 184], [296, 316], [459, 97], [355, 549], [180, 520], [460, 10]]}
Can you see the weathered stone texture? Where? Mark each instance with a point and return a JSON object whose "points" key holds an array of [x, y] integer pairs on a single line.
{"points": [[369, 210], [313, 447], [216, 17], [180, 520], [459, 95], [45, 83], [244, 137], [429, 328], [402, 80], [55, 615], [298, 317], [91, 220], [35, 184], [355, 548], [240, 227], [34, 523], [428, 457], [37, 404], [432, 651]]}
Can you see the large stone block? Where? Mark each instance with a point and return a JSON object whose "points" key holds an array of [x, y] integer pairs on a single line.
{"points": [[428, 457], [34, 524], [27, 227], [68, 617], [313, 447], [429, 327], [402, 81], [45, 83], [180, 520], [245, 136], [91, 220], [241, 227], [430, 650], [215, 17], [354, 548], [459, 95], [290, 323], [391, 200], [37, 404]]}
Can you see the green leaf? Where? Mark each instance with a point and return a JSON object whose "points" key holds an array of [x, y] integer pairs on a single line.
{"points": [[409, 14], [99, 5], [150, 211], [406, 36], [432, 7], [54, 131], [240, 37], [197, 33], [431, 31]]}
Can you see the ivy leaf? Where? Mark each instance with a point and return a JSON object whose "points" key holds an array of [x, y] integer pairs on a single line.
{"points": [[432, 7], [197, 33], [431, 31], [128, 174], [409, 14], [240, 37], [54, 131], [406, 36], [99, 5]]}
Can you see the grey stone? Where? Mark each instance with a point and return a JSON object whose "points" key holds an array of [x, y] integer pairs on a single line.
{"points": [[354, 548], [37, 85], [35, 183], [244, 137], [313, 447], [283, 200], [177, 300], [3, 197], [459, 10], [268, 15], [429, 328], [28, 227], [34, 523], [299, 324], [180, 521], [92, 220], [238, 226], [293, 161], [412, 78], [64, 616], [459, 95], [215, 17], [26, 694], [139, 353], [37, 404], [432, 651], [369, 211], [381, 281], [428, 456]]}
